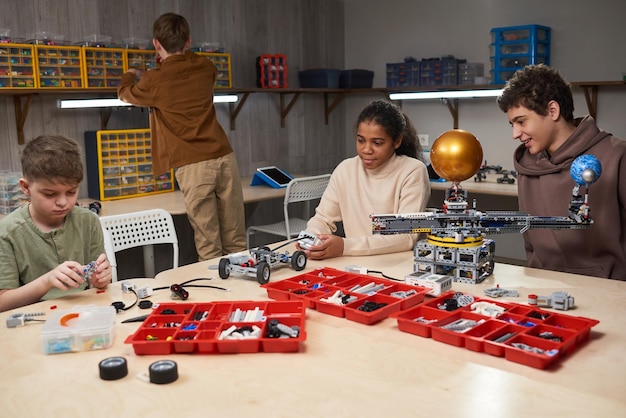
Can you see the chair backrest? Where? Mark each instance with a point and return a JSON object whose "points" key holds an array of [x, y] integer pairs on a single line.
{"points": [[137, 229], [109, 249], [303, 189]]}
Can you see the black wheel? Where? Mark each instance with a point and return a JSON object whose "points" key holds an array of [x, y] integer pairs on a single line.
{"points": [[499, 180], [298, 260], [263, 272], [224, 268]]}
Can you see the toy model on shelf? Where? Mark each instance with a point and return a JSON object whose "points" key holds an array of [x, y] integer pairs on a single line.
{"points": [[505, 177], [258, 262], [481, 174], [456, 243]]}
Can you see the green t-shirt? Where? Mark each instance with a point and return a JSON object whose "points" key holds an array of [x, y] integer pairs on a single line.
{"points": [[27, 253]]}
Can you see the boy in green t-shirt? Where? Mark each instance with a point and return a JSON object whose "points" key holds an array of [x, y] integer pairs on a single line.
{"points": [[46, 246]]}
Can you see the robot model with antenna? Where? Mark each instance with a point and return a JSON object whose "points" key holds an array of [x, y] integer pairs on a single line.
{"points": [[456, 245]]}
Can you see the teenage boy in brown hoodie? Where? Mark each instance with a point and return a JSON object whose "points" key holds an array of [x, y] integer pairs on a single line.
{"points": [[540, 107]]}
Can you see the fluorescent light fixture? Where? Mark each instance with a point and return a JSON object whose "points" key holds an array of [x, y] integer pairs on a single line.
{"points": [[85, 103], [225, 98], [445, 94]]}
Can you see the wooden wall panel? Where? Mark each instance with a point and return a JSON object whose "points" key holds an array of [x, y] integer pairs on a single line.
{"points": [[308, 32]]}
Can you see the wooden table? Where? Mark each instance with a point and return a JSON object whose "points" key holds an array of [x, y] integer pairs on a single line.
{"points": [[343, 369], [173, 201]]}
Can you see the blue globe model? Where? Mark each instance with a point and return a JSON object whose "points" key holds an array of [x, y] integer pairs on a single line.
{"points": [[585, 169]]}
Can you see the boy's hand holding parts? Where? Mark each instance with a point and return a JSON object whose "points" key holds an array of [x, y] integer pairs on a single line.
{"points": [[65, 276], [103, 274]]}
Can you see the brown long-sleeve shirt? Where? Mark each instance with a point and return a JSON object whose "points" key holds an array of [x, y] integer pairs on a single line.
{"points": [[183, 121]]}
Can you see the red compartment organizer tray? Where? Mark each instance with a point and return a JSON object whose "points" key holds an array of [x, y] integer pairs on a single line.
{"points": [[221, 327], [520, 333], [345, 294]]}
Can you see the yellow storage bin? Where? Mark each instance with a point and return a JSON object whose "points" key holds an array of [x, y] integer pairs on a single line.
{"points": [[222, 62], [59, 67], [17, 66], [119, 165], [104, 67]]}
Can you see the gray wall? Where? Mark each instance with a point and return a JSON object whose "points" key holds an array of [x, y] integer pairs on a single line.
{"points": [[309, 32], [588, 44]]}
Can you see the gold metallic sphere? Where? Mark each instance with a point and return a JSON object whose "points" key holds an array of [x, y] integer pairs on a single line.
{"points": [[456, 155]]}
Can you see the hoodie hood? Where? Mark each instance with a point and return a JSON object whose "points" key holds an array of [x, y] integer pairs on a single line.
{"points": [[540, 164]]}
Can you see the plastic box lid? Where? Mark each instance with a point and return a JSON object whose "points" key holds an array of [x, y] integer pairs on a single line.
{"points": [[81, 328]]}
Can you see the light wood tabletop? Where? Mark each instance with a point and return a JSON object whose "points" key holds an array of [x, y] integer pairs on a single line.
{"points": [[343, 368], [173, 201]]}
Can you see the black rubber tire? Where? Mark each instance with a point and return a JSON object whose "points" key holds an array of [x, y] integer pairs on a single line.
{"points": [[224, 268], [298, 260], [263, 272]]}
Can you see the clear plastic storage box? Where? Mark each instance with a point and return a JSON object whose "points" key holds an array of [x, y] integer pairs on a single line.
{"points": [[82, 328]]}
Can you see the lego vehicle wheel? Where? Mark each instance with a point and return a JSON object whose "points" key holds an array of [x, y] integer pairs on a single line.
{"points": [[263, 272], [95, 207], [499, 180], [298, 260], [224, 268]]}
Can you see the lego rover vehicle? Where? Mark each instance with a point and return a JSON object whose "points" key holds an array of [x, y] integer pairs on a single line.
{"points": [[258, 263]]}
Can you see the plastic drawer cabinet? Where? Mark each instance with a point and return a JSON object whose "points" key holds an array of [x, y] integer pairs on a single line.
{"points": [[104, 67], [11, 196], [59, 67], [17, 68], [403, 74], [222, 63], [140, 59], [119, 165], [514, 47], [271, 71]]}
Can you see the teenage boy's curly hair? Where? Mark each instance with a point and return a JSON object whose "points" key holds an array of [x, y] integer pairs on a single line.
{"points": [[533, 87], [54, 158]]}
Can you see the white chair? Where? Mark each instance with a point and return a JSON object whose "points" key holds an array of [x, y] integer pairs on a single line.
{"points": [[109, 249], [300, 189], [143, 229]]}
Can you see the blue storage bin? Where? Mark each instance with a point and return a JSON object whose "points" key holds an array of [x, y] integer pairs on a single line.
{"points": [[356, 79], [403, 74], [319, 78], [514, 47]]}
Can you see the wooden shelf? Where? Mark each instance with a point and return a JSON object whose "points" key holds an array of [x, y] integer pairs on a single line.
{"points": [[22, 98]]}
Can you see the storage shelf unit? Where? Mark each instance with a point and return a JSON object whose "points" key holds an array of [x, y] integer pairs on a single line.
{"points": [[59, 67], [141, 59], [222, 62], [288, 97], [514, 47], [119, 165], [103, 67], [17, 68]]}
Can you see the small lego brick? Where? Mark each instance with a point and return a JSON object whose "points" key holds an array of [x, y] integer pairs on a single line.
{"points": [[437, 283], [557, 300], [496, 292]]}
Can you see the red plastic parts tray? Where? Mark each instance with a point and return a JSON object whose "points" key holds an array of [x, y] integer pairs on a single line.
{"points": [[174, 328], [320, 285], [536, 337]]}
